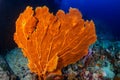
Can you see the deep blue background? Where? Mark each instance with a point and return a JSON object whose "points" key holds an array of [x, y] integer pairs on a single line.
{"points": [[105, 14]]}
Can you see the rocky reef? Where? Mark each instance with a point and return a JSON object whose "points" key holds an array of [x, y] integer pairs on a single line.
{"points": [[101, 63]]}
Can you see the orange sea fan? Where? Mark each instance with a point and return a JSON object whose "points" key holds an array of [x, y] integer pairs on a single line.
{"points": [[52, 42]]}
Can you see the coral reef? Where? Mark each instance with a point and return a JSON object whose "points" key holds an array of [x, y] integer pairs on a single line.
{"points": [[52, 42], [18, 64], [5, 71], [101, 63]]}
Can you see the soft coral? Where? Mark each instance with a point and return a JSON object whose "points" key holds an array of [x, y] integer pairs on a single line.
{"points": [[52, 42]]}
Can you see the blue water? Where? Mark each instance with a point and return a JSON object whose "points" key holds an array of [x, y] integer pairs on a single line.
{"points": [[105, 14]]}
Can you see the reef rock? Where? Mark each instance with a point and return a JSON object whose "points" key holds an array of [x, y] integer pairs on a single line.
{"points": [[18, 64]]}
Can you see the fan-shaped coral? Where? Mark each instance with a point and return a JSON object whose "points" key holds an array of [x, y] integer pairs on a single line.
{"points": [[52, 42]]}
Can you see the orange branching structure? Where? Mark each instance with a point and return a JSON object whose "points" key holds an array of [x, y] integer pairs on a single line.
{"points": [[51, 42]]}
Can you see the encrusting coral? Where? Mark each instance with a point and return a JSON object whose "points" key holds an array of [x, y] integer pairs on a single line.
{"points": [[51, 42]]}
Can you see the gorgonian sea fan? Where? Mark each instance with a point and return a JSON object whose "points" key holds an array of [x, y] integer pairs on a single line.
{"points": [[51, 42]]}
